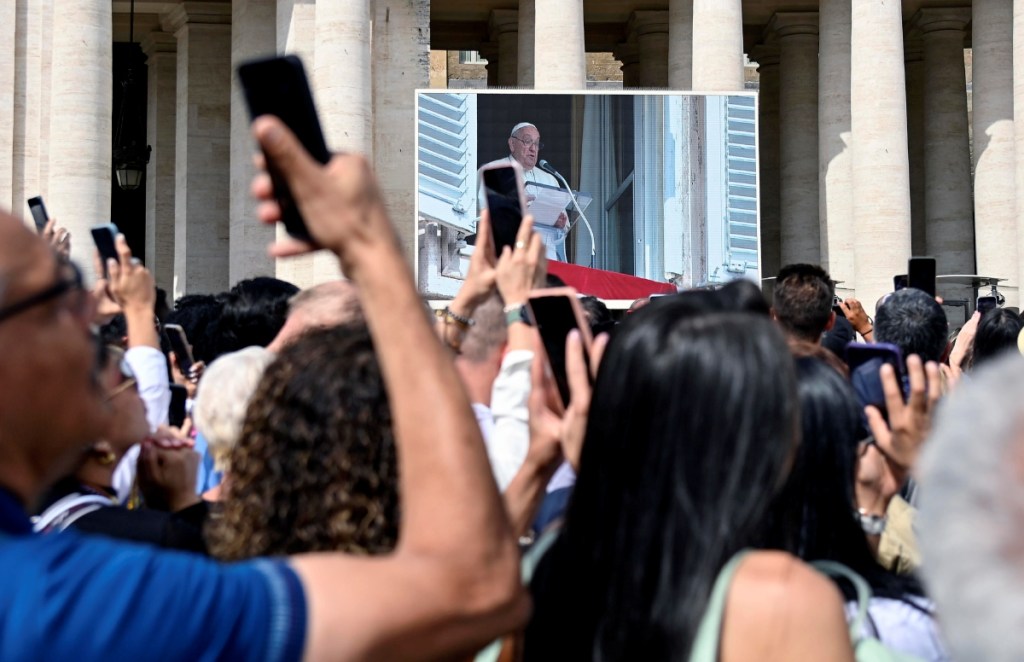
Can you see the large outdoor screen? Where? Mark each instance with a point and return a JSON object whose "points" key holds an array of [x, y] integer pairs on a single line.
{"points": [[666, 183]]}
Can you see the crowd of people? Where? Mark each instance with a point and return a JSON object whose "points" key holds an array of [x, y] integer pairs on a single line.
{"points": [[356, 477]]}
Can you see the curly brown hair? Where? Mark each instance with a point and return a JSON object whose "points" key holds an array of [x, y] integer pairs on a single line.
{"points": [[316, 467]]}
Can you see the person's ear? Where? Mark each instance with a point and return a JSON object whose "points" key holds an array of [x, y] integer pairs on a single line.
{"points": [[510, 143], [831, 321]]}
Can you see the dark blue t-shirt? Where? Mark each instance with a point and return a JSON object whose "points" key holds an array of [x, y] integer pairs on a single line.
{"points": [[75, 597]]}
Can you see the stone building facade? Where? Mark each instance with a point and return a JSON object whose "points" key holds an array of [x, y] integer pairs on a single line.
{"points": [[868, 152]]}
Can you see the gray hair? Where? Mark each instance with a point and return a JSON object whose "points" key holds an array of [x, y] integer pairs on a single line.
{"points": [[223, 395], [972, 514]]}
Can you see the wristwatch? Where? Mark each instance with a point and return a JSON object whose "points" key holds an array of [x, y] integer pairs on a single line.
{"points": [[518, 312], [873, 525]]}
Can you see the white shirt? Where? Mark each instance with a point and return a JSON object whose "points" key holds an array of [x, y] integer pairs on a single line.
{"points": [[902, 627], [150, 369], [508, 436]]}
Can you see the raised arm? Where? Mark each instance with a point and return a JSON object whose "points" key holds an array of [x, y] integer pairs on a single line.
{"points": [[453, 582]]}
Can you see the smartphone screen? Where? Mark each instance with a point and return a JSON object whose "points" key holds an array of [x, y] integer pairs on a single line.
{"points": [[278, 86], [865, 360], [104, 237], [179, 345], [556, 312], [504, 193], [921, 274], [899, 282], [176, 411], [986, 304], [39, 214]]}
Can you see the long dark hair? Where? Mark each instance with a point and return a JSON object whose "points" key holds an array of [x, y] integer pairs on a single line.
{"points": [[813, 515], [691, 427]]}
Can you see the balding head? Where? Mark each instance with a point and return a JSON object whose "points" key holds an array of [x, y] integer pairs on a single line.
{"points": [[320, 307]]}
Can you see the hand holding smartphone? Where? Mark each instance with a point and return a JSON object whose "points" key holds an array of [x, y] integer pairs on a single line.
{"points": [[503, 192], [556, 311], [278, 86], [182, 349], [105, 238]]}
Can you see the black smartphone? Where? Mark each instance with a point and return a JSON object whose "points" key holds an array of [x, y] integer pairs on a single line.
{"points": [[503, 190], [278, 86], [556, 311], [986, 304], [865, 360], [105, 236], [176, 411], [39, 214], [180, 346], [899, 282], [921, 274]]}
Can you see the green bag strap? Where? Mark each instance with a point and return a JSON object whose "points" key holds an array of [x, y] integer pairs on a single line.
{"points": [[835, 569], [705, 644], [531, 559]]}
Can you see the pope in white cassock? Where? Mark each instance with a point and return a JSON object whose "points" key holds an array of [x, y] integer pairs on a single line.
{"points": [[524, 146]]}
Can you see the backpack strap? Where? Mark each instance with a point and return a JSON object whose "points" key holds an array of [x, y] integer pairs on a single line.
{"points": [[705, 644], [835, 569]]}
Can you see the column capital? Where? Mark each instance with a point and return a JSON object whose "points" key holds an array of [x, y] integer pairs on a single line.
{"points": [[766, 55], [790, 23], [159, 42], [647, 22], [627, 53], [503, 20], [935, 19], [488, 51], [209, 13]]}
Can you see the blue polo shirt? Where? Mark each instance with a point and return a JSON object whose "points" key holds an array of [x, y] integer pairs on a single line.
{"points": [[76, 597]]}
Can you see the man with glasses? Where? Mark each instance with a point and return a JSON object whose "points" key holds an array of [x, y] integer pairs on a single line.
{"points": [[524, 146], [452, 584]]}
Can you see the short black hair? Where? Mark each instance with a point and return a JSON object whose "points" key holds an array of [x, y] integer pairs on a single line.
{"points": [[197, 315], [803, 300], [252, 313], [913, 321], [997, 332], [600, 318]]}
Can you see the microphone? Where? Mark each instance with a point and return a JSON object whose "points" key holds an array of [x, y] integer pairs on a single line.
{"points": [[547, 167]]}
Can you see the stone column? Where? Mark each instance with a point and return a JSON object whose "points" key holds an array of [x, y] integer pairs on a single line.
{"points": [[559, 57], [835, 200], [798, 130], [651, 31], [504, 28], [913, 50], [767, 58], [489, 52], [45, 85], [949, 229], [203, 147], [253, 27], [343, 84], [27, 101], [717, 45], [401, 64], [680, 44], [161, 124], [629, 55], [8, 57], [881, 171], [995, 223], [527, 25], [1018, 121], [296, 34], [80, 119]]}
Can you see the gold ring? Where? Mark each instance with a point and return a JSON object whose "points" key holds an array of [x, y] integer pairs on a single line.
{"points": [[520, 244]]}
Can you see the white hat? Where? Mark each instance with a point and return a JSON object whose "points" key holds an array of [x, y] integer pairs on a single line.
{"points": [[517, 127]]}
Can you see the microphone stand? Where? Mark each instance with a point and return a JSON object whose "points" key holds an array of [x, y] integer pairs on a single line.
{"points": [[572, 196]]}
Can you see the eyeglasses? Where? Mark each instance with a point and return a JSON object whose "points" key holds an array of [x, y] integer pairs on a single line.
{"points": [[530, 143], [70, 280]]}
